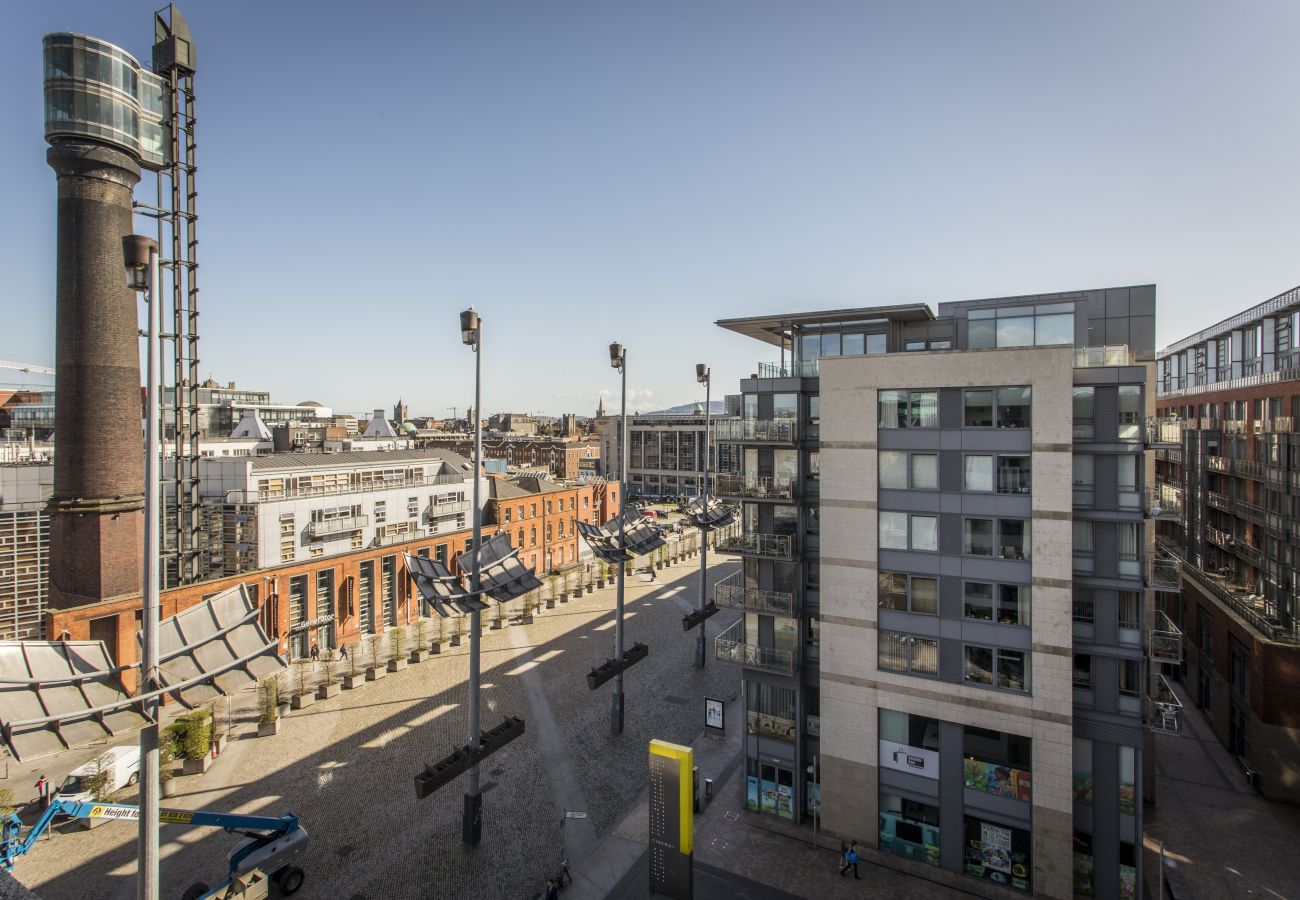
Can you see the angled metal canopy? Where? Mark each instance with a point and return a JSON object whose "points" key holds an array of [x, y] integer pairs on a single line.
{"points": [[502, 575], [711, 514], [440, 590], [603, 544]]}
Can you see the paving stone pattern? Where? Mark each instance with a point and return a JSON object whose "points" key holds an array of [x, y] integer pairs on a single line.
{"points": [[345, 765]]}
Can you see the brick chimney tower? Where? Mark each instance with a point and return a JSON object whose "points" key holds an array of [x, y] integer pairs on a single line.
{"points": [[97, 508]]}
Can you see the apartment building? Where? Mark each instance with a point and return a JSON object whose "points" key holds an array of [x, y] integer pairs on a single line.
{"points": [[541, 517], [945, 549], [665, 454], [1229, 396], [564, 459]]}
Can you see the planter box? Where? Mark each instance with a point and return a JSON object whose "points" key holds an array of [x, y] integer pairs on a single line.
{"points": [[435, 648], [550, 604], [418, 656], [455, 640], [196, 766], [352, 681], [526, 619], [397, 665], [564, 597], [168, 787], [92, 823], [267, 729], [495, 626], [600, 585], [302, 700], [325, 691], [374, 673]]}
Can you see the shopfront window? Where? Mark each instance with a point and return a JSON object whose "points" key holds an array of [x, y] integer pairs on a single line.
{"points": [[1083, 865], [999, 853], [1082, 770], [909, 828], [998, 763], [769, 711], [770, 789], [1127, 793]]}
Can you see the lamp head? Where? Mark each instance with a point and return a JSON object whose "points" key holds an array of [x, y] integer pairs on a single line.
{"points": [[616, 356], [469, 326], [135, 255], [701, 373]]}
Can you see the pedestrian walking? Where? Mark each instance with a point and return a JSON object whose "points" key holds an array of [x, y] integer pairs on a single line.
{"points": [[852, 858], [552, 889], [42, 790], [315, 651], [343, 652], [844, 857]]}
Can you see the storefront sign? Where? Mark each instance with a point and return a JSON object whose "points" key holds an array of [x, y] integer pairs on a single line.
{"points": [[311, 623], [912, 760]]}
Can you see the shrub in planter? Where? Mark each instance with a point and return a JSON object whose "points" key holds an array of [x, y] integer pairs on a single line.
{"points": [[302, 696], [375, 670], [420, 652], [396, 658], [329, 686], [268, 705], [190, 737], [455, 635]]}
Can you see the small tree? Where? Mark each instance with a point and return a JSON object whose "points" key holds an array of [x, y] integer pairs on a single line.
{"points": [[327, 656], [300, 672], [374, 653], [421, 627], [352, 659], [395, 642], [100, 780], [268, 701]]}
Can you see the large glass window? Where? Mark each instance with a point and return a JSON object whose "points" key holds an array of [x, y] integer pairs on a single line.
{"points": [[925, 471], [893, 469], [908, 654], [981, 329], [977, 472], [909, 409], [893, 530], [785, 406], [1013, 407], [1130, 413], [914, 593], [998, 763], [1082, 770], [909, 828], [769, 711], [1130, 556], [853, 345], [1127, 774], [1083, 479], [1014, 475], [1127, 482], [1084, 555], [996, 667], [977, 537], [925, 533], [1017, 331], [1054, 330], [978, 601], [1000, 853], [1084, 868], [876, 343], [1084, 405], [1013, 539], [978, 408]]}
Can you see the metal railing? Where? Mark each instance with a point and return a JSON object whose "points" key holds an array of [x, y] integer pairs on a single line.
{"points": [[749, 543], [341, 525], [1164, 431], [1164, 501], [1259, 613], [804, 369], [759, 431], [1166, 708], [1252, 511], [1166, 641], [754, 487], [731, 593], [1165, 574], [434, 510], [1109, 355], [267, 495], [730, 646]]}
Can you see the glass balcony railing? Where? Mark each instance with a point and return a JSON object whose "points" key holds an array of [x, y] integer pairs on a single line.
{"points": [[731, 593], [730, 646], [1111, 355], [1166, 643], [768, 546], [757, 431], [1164, 501], [341, 525], [754, 487], [1166, 709], [1165, 575], [803, 369], [1163, 431]]}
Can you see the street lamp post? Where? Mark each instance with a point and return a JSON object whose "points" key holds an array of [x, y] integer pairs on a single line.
{"points": [[702, 376], [471, 334], [140, 255], [618, 360]]}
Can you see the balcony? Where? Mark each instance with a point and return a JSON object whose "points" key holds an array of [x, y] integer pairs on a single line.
{"points": [[1166, 641], [730, 646], [765, 546], [1163, 431], [1236, 426], [434, 511], [334, 527], [1166, 709], [1259, 612], [731, 593], [1243, 508], [757, 431], [1165, 575], [754, 487], [1165, 501], [804, 369], [1095, 357]]}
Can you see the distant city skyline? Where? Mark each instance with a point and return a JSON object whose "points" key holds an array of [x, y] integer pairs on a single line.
{"points": [[584, 173]]}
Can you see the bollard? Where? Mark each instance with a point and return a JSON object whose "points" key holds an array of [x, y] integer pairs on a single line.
{"points": [[708, 789]]}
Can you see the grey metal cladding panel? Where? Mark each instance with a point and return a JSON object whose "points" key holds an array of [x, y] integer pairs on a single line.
{"points": [[1014, 812], [908, 622], [950, 597], [1012, 506], [914, 786], [950, 662], [1105, 542], [1142, 335], [997, 440], [1105, 732], [1010, 571], [1105, 475], [950, 408], [909, 501], [1117, 303], [917, 563], [1096, 304], [950, 470], [1116, 330], [1105, 683], [994, 635], [1142, 300], [1106, 415], [949, 534], [907, 439], [1105, 614]]}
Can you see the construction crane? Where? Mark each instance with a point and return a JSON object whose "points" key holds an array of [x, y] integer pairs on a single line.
{"points": [[265, 855], [26, 367]]}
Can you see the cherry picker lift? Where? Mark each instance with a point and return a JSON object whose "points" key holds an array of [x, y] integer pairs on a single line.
{"points": [[265, 856]]}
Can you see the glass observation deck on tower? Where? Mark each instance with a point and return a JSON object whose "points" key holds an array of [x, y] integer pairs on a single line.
{"points": [[97, 91]]}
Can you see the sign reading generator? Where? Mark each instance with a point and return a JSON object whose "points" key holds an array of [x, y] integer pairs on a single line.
{"points": [[671, 820]]}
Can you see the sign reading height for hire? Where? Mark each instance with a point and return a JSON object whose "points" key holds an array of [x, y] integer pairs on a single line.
{"points": [[671, 820]]}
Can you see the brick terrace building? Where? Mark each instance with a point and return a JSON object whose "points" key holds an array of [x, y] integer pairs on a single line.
{"points": [[541, 517], [562, 457], [1231, 474]]}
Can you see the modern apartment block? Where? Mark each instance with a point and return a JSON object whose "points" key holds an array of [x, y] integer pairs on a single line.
{"points": [[25, 488], [1231, 477], [665, 453], [945, 584]]}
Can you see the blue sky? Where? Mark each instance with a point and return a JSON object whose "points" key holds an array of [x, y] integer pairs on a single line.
{"points": [[592, 171]]}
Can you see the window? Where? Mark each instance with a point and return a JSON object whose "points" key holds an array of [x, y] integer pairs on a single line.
{"points": [[1013, 539], [381, 511], [1083, 605], [1127, 773], [1130, 685], [925, 471], [995, 762], [507, 514], [1130, 618], [1014, 475], [1082, 677], [1083, 546], [977, 472], [1082, 770], [1083, 479], [978, 409], [532, 536], [977, 537], [909, 409], [1016, 331], [876, 343], [1084, 398], [914, 345], [1129, 552], [899, 531], [909, 828], [895, 466], [1130, 413], [1013, 604], [893, 469], [769, 711], [995, 667], [1054, 329], [907, 654], [1000, 853], [1126, 478], [1013, 407], [853, 345], [912, 593]]}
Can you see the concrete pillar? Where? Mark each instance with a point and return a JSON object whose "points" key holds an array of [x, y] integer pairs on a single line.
{"points": [[97, 508]]}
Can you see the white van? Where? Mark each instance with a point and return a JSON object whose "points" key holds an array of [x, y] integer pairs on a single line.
{"points": [[122, 765]]}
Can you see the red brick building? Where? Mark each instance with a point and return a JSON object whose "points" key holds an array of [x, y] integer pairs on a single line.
{"points": [[541, 517], [563, 458]]}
